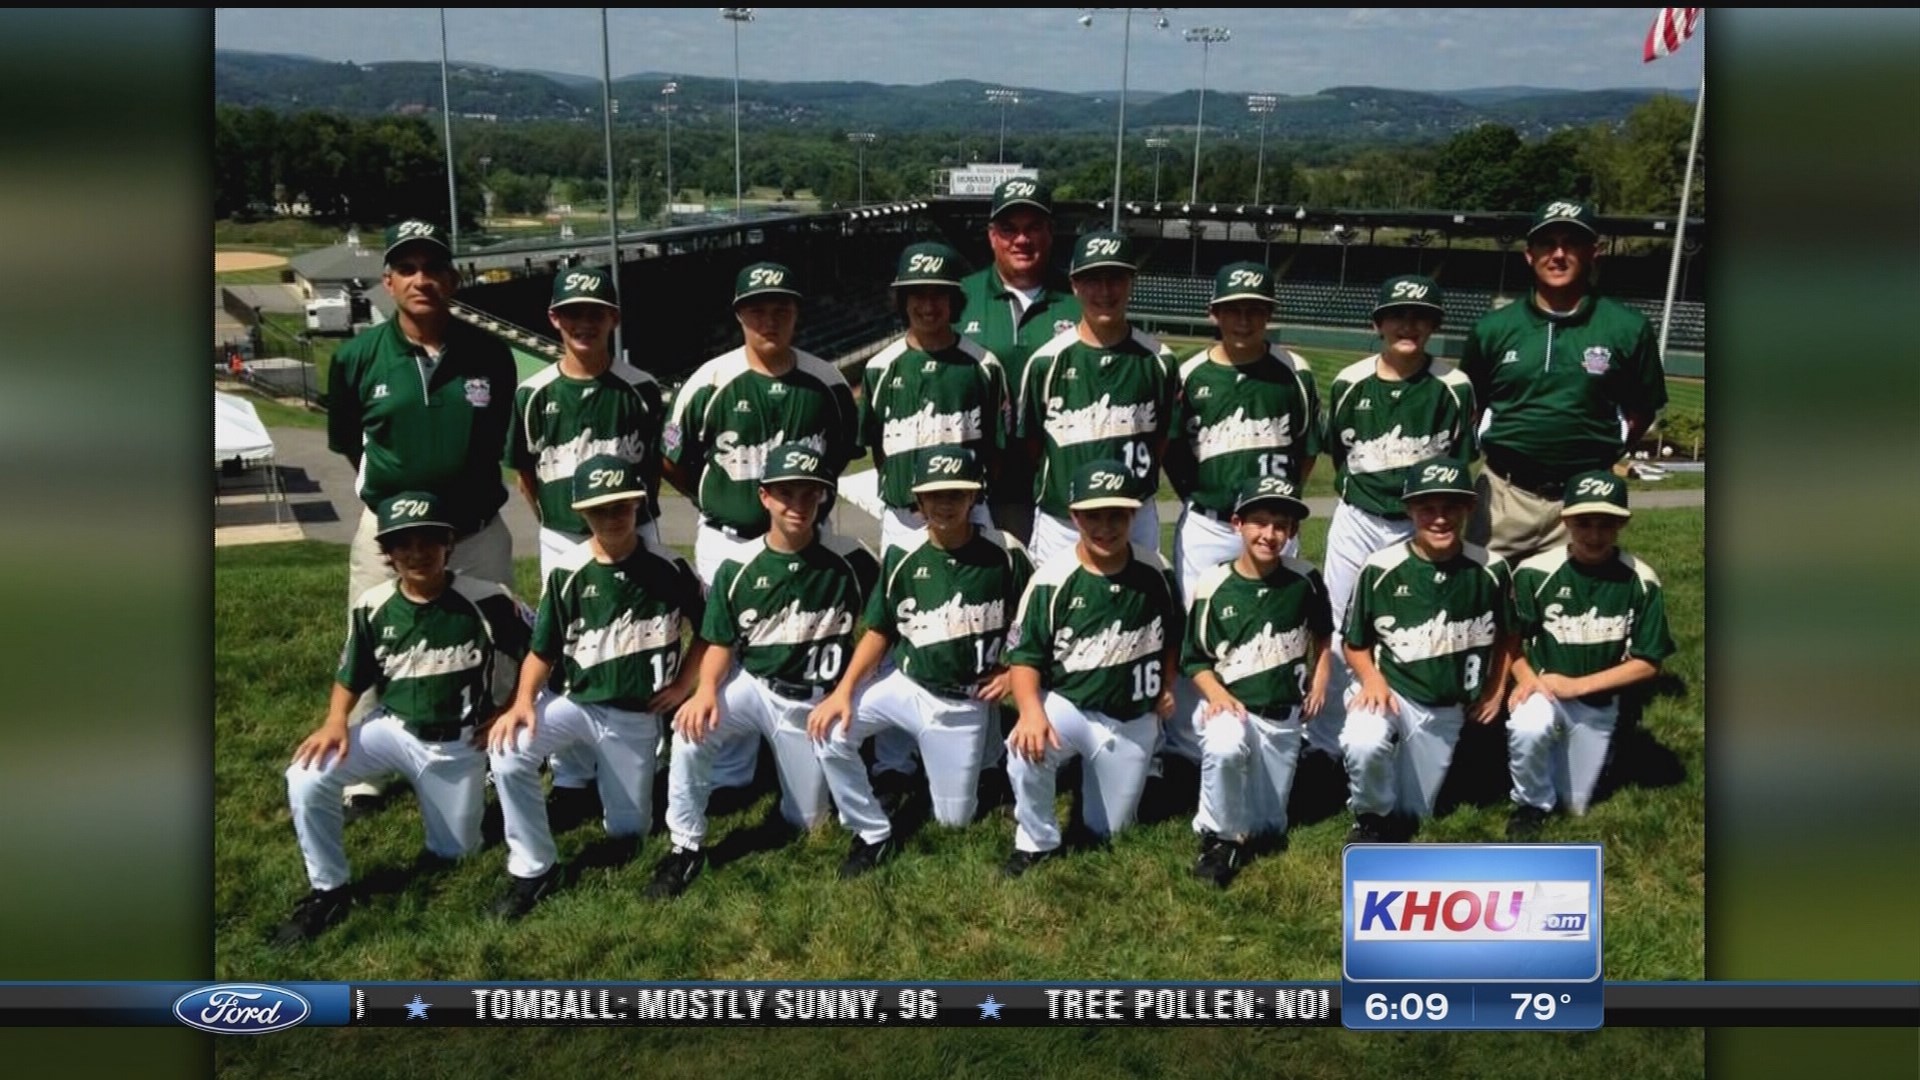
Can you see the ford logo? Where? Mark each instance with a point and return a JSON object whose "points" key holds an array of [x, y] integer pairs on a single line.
{"points": [[241, 1009]]}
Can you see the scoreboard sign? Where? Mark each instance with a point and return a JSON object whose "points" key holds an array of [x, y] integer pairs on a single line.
{"points": [[1471, 936]]}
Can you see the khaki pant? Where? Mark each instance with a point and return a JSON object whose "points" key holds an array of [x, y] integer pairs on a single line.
{"points": [[1514, 523]]}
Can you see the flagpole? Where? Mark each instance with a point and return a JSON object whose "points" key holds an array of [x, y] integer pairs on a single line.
{"points": [[1680, 229]]}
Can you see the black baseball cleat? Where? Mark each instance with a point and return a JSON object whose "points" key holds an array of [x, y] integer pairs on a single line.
{"points": [[524, 893], [1368, 829], [1526, 823], [863, 857], [675, 871], [315, 912], [1022, 861], [1219, 860]]}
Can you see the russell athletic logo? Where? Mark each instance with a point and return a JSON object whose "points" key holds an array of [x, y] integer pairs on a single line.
{"points": [[1472, 910], [241, 1009]]}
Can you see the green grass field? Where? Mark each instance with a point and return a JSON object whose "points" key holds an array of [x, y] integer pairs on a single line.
{"points": [[941, 911]]}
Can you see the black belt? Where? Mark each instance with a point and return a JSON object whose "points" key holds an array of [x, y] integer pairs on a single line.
{"points": [[1224, 517], [732, 532], [1513, 471], [951, 693], [443, 731], [792, 689]]}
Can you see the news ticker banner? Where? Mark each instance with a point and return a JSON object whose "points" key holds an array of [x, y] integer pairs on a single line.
{"points": [[260, 1008], [1471, 936]]}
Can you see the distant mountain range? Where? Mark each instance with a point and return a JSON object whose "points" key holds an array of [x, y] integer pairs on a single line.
{"points": [[1344, 113]]}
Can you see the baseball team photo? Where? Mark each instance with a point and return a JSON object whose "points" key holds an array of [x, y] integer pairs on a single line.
{"points": [[697, 529]]}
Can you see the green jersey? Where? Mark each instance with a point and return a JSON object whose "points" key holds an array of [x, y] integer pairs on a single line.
{"points": [[1089, 403], [789, 617], [728, 416], [1574, 619], [1432, 627], [1232, 421], [433, 663], [912, 399], [1557, 385], [1377, 429], [614, 629], [1096, 640], [949, 610], [412, 423], [1256, 634], [559, 422], [994, 318]]}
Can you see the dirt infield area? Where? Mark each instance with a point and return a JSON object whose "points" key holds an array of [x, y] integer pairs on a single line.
{"points": [[225, 261]]}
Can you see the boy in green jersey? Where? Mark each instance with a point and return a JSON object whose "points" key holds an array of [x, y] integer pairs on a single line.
{"points": [[942, 607], [428, 641], [785, 610], [612, 612], [1256, 650], [1425, 639], [1589, 620]]}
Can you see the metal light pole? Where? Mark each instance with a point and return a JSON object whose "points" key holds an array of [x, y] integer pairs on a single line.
{"points": [[1156, 145], [1208, 37], [666, 94], [446, 120], [1120, 126], [1003, 98], [486, 193], [1344, 237], [860, 140], [613, 204], [1260, 105], [736, 16]]}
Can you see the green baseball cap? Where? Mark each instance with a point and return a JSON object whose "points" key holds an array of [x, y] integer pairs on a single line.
{"points": [[1242, 281], [416, 231], [1277, 492], [1411, 290], [1596, 492], [1564, 212], [795, 461], [1021, 191], [584, 285], [929, 264], [1437, 476], [947, 468], [1100, 484], [411, 510], [1099, 249], [764, 279], [604, 479]]}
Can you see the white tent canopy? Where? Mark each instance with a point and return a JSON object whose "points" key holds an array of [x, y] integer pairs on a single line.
{"points": [[238, 432]]}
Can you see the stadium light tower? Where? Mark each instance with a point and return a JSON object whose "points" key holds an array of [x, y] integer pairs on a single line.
{"points": [[446, 120], [1003, 98], [1260, 105], [666, 94], [1120, 127], [861, 140], [1156, 145], [736, 16], [1207, 37]]}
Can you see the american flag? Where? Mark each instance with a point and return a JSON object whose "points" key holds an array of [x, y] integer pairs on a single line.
{"points": [[1670, 29]]}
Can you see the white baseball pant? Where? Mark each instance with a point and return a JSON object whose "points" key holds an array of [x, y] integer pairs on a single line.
{"points": [[1398, 762], [448, 777], [1246, 773], [952, 737], [734, 767], [748, 708], [1352, 536], [1201, 543], [1116, 755], [1053, 535], [573, 763], [619, 742], [1556, 750]]}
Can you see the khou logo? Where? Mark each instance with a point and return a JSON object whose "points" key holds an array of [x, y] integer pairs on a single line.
{"points": [[241, 1009]]}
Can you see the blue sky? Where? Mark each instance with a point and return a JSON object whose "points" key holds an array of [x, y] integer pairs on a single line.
{"points": [[1272, 50]]}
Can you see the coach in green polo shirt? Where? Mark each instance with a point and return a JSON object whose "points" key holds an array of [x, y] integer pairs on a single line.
{"points": [[1015, 306], [1560, 372], [421, 403]]}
